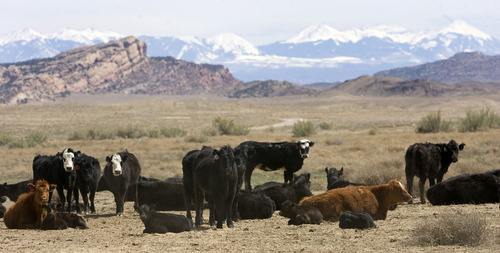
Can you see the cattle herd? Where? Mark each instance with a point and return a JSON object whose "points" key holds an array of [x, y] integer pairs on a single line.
{"points": [[213, 178]]}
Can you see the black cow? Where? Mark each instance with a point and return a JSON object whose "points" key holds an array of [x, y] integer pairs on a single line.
{"points": [[88, 172], [122, 173], [212, 172], [2, 207], [59, 170], [56, 221], [166, 195], [333, 179], [350, 219], [280, 192], [162, 222], [429, 160], [14, 190], [273, 156], [253, 205], [466, 189], [300, 214]]}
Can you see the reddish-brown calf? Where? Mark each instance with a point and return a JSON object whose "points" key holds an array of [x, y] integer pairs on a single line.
{"points": [[375, 200], [30, 208]]}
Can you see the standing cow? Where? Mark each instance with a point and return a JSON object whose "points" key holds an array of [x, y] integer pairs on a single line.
{"points": [[122, 174], [88, 171], [429, 160], [212, 172], [59, 170], [273, 156]]}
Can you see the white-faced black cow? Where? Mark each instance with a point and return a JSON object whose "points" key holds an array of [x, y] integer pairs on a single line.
{"points": [[59, 170], [88, 172], [122, 174], [273, 156], [214, 173], [466, 189], [429, 160]]}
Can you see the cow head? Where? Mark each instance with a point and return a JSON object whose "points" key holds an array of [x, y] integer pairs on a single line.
{"points": [[303, 147], [67, 156], [332, 174], [116, 161], [451, 149], [41, 188], [398, 192], [240, 158], [145, 212], [85, 166], [225, 157]]}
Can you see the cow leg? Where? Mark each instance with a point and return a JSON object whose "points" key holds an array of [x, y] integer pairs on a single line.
{"points": [[187, 182], [198, 199], [68, 200], [288, 175], [93, 189], [77, 199], [421, 185], [409, 186], [248, 177], [212, 209], [432, 182], [85, 198], [119, 200], [60, 192]]}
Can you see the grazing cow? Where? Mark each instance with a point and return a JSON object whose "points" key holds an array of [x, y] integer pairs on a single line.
{"points": [[59, 170], [273, 156], [88, 172], [56, 221], [14, 190], [121, 173], [253, 205], [429, 160], [356, 220], [333, 179], [30, 208], [279, 192], [163, 222], [212, 172], [375, 200], [466, 189], [2, 207], [166, 195], [300, 214]]}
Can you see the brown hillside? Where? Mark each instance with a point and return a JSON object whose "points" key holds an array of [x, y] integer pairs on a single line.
{"points": [[118, 66]]}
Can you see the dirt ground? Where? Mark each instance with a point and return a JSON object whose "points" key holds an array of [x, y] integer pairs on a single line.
{"points": [[109, 233]]}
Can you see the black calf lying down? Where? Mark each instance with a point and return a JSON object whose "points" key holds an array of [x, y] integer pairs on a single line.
{"points": [[163, 222], [279, 192], [56, 220], [2, 207], [300, 214], [253, 205], [356, 220]]}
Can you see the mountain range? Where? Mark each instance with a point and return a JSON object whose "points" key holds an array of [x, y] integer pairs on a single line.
{"points": [[319, 53]]}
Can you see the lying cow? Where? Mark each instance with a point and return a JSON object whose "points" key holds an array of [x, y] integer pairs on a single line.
{"points": [[300, 214], [429, 160], [14, 190], [122, 174], [2, 207], [273, 156], [295, 191], [356, 220], [466, 189], [56, 221], [166, 195], [30, 208], [253, 205], [333, 179], [375, 200], [163, 222]]}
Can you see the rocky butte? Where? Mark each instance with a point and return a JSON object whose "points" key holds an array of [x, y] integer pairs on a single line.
{"points": [[120, 66]]}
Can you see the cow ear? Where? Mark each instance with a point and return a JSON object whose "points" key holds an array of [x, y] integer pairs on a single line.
{"points": [[341, 171], [59, 155], [108, 159], [296, 145], [461, 146], [124, 157], [311, 143], [308, 176], [326, 170], [216, 154], [31, 186]]}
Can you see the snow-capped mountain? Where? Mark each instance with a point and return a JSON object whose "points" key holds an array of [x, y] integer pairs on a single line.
{"points": [[318, 53]]}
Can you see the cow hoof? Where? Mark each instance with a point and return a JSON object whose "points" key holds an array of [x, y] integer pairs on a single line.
{"points": [[118, 214], [230, 225]]}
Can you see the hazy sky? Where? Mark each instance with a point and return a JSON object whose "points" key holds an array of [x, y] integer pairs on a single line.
{"points": [[258, 21]]}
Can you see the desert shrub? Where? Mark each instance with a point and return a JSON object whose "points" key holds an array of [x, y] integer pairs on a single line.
{"points": [[31, 140], [381, 172], [432, 123], [480, 120], [5, 139], [373, 131], [131, 131], [173, 132], [325, 126], [303, 128], [228, 127], [452, 229], [93, 134]]}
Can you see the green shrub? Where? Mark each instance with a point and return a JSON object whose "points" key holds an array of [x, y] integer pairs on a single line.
{"points": [[373, 131], [173, 132], [5, 139], [452, 229], [480, 120], [303, 128], [228, 127], [131, 131], [325, 126], [432, 123], [93, 134]]}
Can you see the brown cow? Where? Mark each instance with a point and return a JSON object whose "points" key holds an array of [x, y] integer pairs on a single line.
{"points": [[30, 208], [375, 200]]}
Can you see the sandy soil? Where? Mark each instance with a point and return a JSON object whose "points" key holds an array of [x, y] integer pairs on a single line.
{"points": [[109, 233]]}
